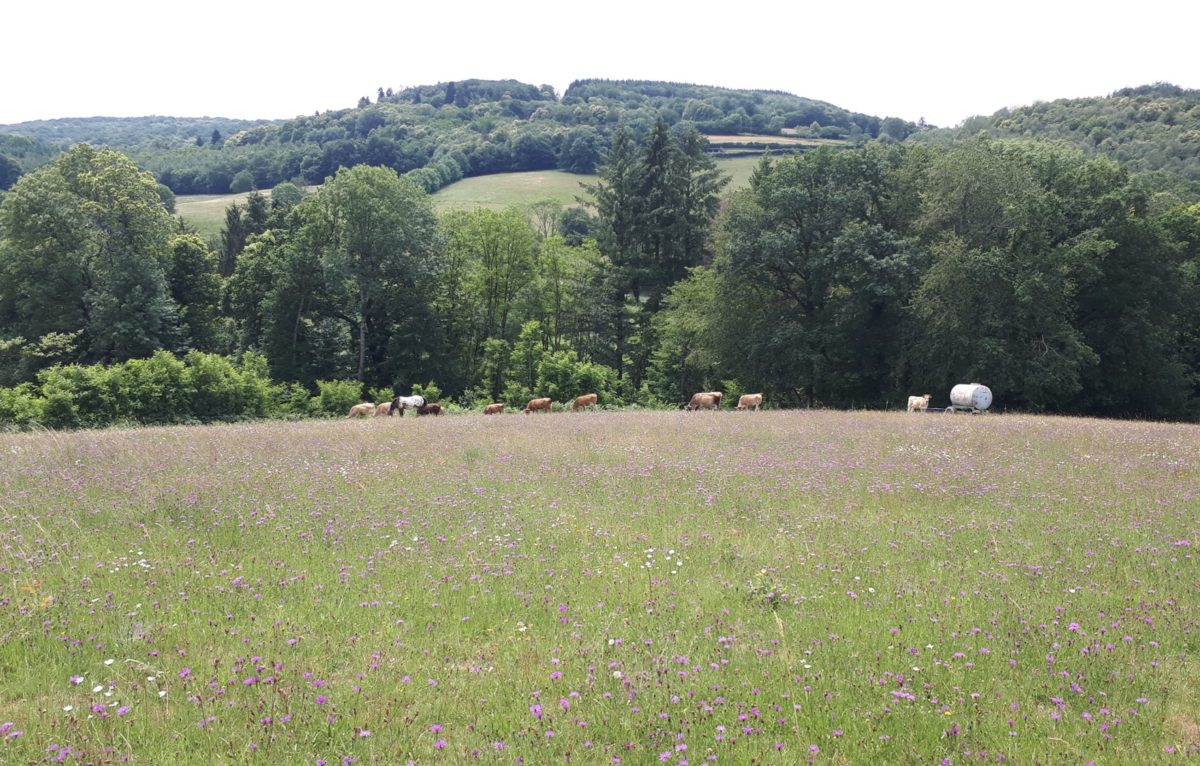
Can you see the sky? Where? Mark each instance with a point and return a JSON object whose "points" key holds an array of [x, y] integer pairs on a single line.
{"points": [[265, 59]]}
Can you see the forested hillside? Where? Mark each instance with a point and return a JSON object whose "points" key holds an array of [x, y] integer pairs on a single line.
{"points": [[441, 133], [133, 132], [1149, 129], [724, 110]]}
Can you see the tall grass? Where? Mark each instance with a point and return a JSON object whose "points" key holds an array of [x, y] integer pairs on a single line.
{"points": [[778, 587]]}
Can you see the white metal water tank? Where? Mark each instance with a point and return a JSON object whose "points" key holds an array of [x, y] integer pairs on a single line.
{"points": [[974, 395]]}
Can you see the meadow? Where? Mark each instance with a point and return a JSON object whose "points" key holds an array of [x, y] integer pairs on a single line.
{"points": [[206, 212], [603, 588], [504, 190]]}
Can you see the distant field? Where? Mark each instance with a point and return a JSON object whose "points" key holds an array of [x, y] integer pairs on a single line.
{"points": [[787, 587], [206, 212], [520, 189], [794, 140], [512, 190]]}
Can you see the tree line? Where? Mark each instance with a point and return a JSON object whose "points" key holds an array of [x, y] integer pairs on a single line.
{"points": [[843, 278], [436, 134]]}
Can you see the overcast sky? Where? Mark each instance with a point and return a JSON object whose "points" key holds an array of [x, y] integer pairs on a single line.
{"points": [[944, 60]]}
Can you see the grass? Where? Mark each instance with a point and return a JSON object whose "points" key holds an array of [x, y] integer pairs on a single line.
{"points": [[206, 212], [504, 190], [781, 587], [773, 140]]}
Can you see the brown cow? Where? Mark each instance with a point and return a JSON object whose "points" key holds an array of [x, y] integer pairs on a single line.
{"points": [[587, 400], [383, 409], [361, 410], [749, 400], [494, 409], [538, 404], [706, 401], [430, 408]]}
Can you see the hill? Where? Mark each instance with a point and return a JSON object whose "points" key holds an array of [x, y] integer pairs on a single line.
{"points": [[448, 131], [132, 132], [1151, 129], [444, 132]]}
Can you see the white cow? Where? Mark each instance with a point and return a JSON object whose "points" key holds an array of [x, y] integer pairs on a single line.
{"points": [[919, 403]]}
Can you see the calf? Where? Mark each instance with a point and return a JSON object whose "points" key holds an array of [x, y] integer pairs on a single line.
{"points": [[587, 400], [749, 400], [361, 410], [538, 404], [494, 409], [919, 403]]}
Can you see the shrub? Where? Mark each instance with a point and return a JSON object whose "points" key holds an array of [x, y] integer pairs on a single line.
{"points": [[563, 376], [156, 388], [336, 397], [380, 395], [76, 396], [21, 407], [515, 395], [214, 386], [291, 400], [217, 388], [430, 391], [258, 393]]}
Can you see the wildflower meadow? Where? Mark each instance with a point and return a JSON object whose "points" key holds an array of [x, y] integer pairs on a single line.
{"points": [[802, 587]]}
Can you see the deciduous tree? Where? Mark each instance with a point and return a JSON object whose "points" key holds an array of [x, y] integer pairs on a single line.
{"points": [[85, 245]]}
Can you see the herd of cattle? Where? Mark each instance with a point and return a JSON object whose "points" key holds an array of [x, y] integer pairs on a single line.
{"points": [[708, 400], [705, 400]]}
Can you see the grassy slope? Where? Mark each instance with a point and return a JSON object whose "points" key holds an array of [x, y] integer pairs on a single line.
{"points": [[206, 212], [520, 189], [884, 588]]}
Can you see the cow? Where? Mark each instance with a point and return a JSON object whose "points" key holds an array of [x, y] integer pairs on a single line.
{"points": [[746, 401], [704, 401], [494, 409], [383, 409], [919, 403], [431, 408], [402, 403], [538, 404], [587, 400], [361, 410]]}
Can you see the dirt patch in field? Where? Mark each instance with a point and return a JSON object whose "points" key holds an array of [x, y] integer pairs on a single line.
{"points": [[765, 140]]}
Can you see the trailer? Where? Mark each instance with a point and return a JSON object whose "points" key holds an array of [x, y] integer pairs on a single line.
{"points": [[972, 398]]}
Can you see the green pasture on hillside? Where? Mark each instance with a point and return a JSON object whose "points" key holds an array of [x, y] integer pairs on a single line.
{"points": [[206, 212], [783, 587], [504, 190]]}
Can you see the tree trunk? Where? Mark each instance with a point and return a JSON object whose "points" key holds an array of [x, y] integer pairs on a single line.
{"points": [[296, 329], [362, 339]]}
